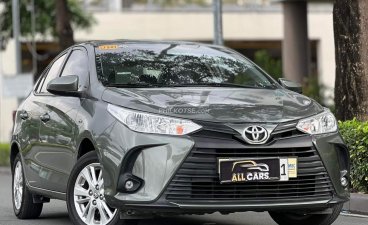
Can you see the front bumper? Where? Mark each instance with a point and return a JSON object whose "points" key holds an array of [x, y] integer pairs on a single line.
{"points": [[162, 206], [180, 173]]}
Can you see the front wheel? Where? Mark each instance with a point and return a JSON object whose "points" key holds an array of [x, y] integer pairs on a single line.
{"points": [[283, 218], [85, 194]]}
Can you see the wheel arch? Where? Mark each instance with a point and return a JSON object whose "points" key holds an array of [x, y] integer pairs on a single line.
{"points": [[14, 150], [86, 145]]}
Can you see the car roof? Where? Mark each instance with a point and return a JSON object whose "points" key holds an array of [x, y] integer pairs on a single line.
{"points": [[96, 43]]}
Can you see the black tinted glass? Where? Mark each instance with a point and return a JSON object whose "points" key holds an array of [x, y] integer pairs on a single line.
{"points": [[77, 64], [176, 65], [53, 72]]}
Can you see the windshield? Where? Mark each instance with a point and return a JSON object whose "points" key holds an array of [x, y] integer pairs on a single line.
{"points": [[170, 64]]}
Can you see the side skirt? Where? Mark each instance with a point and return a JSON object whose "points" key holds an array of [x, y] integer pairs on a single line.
{"points": [[47, 193]]}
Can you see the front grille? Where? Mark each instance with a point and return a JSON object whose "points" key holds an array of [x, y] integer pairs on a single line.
{"points": [[197, 178], [285, 130], [221, 131]]}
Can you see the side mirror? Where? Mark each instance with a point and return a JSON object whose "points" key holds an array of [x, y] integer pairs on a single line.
{"points": [[66, 85], [291, 85]]}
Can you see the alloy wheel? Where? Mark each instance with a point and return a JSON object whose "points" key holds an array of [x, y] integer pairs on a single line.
{"points": [[18, 185], [89, 197]]}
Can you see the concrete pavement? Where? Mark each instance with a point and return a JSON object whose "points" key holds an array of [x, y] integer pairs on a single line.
{"points": [[358, 203]]}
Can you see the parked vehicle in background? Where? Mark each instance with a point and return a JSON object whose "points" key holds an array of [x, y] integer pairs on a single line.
{"points": [[130, 129]]}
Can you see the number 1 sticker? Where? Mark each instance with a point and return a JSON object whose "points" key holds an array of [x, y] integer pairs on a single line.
{"points": [[284, 170], [293, 167]]}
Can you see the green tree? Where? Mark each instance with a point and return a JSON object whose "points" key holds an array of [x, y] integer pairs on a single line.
{"points": [[351, 46], [55, 18], [272, 66]]}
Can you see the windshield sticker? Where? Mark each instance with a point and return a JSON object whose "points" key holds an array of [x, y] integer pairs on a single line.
{"points": [[108, 47]]}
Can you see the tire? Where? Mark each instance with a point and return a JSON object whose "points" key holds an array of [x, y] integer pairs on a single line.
{"points": [[85, 192], [22, 198], [307, 219]]}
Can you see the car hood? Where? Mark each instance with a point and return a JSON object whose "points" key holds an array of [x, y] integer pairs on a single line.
{"points": [[216, 104]]}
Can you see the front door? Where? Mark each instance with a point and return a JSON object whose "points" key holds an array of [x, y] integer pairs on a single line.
{"points": [[57, 140], [58, 128]]}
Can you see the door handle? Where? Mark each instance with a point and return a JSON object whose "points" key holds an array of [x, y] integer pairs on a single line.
{"points": [[24, 115], [45, 117]]}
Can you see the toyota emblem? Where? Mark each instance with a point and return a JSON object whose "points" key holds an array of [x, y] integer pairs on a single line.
{"points": [[255, 134]]}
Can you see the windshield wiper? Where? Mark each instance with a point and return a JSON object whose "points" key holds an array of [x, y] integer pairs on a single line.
{"points": [[212, 85], [131, 85]]}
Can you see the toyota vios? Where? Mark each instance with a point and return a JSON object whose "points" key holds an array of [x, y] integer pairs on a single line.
{"points": [[133, 129]]}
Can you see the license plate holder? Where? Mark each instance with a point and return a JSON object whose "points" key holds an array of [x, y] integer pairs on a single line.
{"points": [[239, 170]]}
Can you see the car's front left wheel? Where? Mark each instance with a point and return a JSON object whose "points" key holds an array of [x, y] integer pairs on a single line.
{"points": [[85, 195]]}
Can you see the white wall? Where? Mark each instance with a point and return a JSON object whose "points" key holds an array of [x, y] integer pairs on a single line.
{"points": [[7, 105], [321, 29]]}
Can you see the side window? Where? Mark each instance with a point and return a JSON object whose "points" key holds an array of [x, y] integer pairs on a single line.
{"points": [[40, 81], [77, 64], [52, 73]]}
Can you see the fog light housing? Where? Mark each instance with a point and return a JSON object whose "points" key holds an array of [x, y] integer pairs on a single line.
{"points": [[128, 183], [344, 181]]}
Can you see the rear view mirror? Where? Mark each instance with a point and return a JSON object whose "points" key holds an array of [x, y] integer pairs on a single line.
{"points": [[291, 85], [66, 85]]}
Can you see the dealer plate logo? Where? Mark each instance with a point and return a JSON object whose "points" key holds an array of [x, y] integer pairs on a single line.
{"points": [[255, 171]]}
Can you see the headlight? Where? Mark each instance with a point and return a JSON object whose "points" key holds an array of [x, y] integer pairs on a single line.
{"points": [[150, 123], [319, 124]]}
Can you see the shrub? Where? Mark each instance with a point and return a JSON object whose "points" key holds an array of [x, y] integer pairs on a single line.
{"points": [[355, 134], [4, 154]]}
